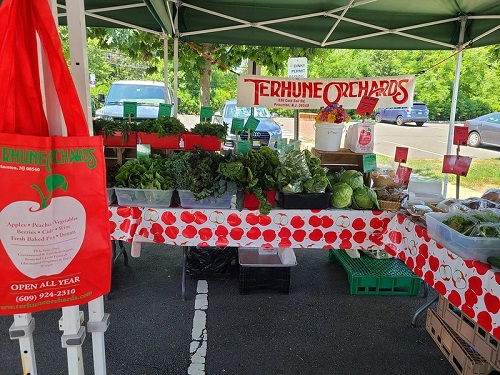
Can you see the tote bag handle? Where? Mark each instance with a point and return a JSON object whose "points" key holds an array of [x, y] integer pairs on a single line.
{"points": [[23, 112]]}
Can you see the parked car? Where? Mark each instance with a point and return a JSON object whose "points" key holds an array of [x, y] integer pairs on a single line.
{"points": [[147, 94], [484, 130], [267, 133], [418, 113]]}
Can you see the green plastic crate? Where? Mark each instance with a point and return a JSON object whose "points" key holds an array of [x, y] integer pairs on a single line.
{"points": [[377, 276]]}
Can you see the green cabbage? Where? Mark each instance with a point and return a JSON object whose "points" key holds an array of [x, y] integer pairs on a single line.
{"points": [[341, 195], [353, 178], [365, 198]]}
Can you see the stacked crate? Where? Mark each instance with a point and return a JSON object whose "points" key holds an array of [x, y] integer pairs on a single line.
{"points": [[469, 347]]}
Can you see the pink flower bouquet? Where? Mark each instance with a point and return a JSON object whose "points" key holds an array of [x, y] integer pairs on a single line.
{"points": [[333, 113]]}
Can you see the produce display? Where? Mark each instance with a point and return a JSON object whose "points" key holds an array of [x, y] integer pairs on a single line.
{"points": [[206, 174]]}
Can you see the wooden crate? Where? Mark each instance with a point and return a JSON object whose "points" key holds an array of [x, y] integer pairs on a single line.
{"points": [[344, 158]]}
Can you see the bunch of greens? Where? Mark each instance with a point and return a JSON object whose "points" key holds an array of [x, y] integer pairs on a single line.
{"points": [[208, 128], [164, 126], [254, 173], [301, 172], [461, 223], [109, 127], [145, 173], [198, 172]]}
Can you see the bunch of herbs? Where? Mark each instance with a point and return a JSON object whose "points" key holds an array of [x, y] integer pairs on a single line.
{"points": [[208, 128]]}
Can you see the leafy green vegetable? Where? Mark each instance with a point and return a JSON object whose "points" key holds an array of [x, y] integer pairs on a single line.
{"points": [[341, 195], [198, 172], [145, 173], [164, 126], [316, 184], [353, 178], [254, 173], [109, 127], [365, 198], [208, 128], [460, 223]]}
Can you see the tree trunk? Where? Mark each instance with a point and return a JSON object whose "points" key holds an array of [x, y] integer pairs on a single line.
{"points": [[205, 74]]}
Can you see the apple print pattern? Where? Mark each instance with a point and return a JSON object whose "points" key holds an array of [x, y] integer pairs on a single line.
{"points": [[474, 286], [470, 285]]}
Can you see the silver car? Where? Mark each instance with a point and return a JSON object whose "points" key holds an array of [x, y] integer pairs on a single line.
{"points": [[484, 130], [267, 133]]}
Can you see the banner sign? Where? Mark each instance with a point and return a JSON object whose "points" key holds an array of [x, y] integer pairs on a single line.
{"points": [[309, 93]]}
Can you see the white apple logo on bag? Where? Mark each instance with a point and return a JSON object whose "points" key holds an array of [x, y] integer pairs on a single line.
{"points": [[41, 239]]}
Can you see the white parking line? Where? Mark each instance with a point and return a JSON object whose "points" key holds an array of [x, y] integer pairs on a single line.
{"points": [[414, 148], [198, 346]]}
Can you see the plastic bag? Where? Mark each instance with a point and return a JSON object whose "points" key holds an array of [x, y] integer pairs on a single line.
{"points": [[360, 137]]}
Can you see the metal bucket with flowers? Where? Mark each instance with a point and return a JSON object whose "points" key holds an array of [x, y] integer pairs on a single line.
{"points": [[329, 126]]}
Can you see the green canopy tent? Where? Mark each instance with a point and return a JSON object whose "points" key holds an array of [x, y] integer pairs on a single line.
{"points": [[363, 24]]}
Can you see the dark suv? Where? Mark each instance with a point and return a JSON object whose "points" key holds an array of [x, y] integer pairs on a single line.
{"points": [[418, 113]]}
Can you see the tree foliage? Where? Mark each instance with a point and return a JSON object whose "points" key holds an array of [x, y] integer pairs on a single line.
{"points": [[208, 72]]}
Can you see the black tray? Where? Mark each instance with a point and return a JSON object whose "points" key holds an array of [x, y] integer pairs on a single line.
{"points": [[304, 200]]}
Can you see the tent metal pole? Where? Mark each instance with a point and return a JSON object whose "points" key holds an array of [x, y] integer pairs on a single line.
{"points": [[463, 20], [79, 56], [165, 67], [176, 60]]}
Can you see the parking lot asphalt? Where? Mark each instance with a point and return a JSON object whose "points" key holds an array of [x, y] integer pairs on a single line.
{"points": [[318, 328]]}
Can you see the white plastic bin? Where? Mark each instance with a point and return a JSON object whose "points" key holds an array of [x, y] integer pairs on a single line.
{"points": [[476, 248], [144, 197], [188, 200]]}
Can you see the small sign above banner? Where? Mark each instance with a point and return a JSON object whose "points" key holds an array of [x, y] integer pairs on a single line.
{"points": [[297, 67], [308, 93]]}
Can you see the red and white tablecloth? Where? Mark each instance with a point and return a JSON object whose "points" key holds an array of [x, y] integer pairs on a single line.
{"points": [[470, 285], [329, 229]]}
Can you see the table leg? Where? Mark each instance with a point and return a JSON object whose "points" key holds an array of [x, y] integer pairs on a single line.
{"points": [[184, 264], [421, 309]]}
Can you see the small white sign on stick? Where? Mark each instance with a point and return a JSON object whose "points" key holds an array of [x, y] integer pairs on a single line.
{"points": [[297, 67]]}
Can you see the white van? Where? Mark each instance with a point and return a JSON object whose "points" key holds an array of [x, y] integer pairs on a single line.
{"points": [[147, 94]]}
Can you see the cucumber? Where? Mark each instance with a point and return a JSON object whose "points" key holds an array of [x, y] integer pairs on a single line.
{"points": [[494, 261]]}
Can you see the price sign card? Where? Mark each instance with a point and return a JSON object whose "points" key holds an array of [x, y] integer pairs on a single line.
{"points": [[460, 135], [401, 154], [251, 124], [458, 165], [244, 147], [402, 175], [369, 163], [206, 114], [237, 125], [165, 110], [143, 151], [130, 109], [366, 106]]}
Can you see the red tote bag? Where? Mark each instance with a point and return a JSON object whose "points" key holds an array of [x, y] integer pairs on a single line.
{"points": [[55, 248]]}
